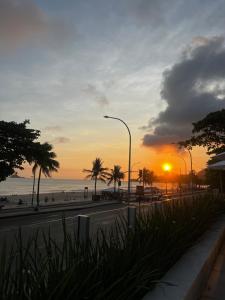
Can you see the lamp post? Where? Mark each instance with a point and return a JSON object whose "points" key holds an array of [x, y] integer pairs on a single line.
{"points": [[185, 164], [190, 155], [189, 151], [166, 168], [166, 174], [129, 153]]}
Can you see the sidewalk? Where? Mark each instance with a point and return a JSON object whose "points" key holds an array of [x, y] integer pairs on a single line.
{"points": [[215, 288], [28, 211]]}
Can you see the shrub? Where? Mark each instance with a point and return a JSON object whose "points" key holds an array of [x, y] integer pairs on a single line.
{"points": [[118, 264]]}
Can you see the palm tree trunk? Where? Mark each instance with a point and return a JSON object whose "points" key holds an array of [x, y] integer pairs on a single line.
{"points": [[114, 186], [38, 187], [95, 184], [32, 200]]}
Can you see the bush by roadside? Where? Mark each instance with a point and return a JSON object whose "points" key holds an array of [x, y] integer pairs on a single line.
{"points": [[119, 264]]}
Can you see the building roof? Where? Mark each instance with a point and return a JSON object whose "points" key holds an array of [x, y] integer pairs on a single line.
{"points": [[220, 165]]}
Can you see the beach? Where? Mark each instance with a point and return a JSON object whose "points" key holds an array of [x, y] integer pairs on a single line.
{"points": [[18, 191], [15, 201]]}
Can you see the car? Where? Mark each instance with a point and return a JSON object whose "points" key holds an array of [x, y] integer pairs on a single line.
{"points": [[152, 193], [111, 194]]}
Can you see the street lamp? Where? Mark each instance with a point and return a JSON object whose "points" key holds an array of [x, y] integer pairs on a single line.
{"points": [[185, 164], [129, 153], [190, 155], [189, 151], [166, 168]]}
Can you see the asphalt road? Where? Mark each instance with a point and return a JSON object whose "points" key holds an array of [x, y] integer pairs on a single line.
{"points": [[101, 216]]}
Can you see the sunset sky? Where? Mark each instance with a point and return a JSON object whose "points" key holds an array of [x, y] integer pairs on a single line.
{"points": [[158, 65]]}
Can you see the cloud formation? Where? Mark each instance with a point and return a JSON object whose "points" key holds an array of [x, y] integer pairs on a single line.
{"points": [[53, 128], [192, 88], [99, 97], [60, 140], [23, 20]]}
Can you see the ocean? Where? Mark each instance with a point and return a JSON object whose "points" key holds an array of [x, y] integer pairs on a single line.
{"points": [[23, 186]]}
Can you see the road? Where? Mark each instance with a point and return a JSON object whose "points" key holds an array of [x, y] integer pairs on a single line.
{"points": [[103, 216], [100, 216]]}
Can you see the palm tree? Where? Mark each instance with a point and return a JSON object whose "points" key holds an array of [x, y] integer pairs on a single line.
{"points": [[115, 176], [146, 177], [46, 163], [150, 177], [140, 176], [97, 172], [34, 169], [33, 158]]}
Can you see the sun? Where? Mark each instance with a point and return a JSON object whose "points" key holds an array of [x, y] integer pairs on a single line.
{"points": [[167, 167]]}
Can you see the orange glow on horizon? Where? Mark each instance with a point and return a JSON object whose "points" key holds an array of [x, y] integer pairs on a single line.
{"points": [[76, 157]]}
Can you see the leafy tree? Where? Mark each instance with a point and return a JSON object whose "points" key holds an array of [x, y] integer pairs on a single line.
{"points": [[98, 172], [16, 146], [115, 176], [46, 162], [209, 132]]}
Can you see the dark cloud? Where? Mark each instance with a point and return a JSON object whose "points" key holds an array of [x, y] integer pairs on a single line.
{"points": [[192, 88], [149, 11], [99, 97], [24, 20]]}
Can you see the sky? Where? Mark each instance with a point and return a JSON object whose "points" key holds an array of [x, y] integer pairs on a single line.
{"points": [[158, 65]]}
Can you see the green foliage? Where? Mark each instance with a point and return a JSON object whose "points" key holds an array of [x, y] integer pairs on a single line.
{"points": [[17, 146], [118, 264], [209, 132]]}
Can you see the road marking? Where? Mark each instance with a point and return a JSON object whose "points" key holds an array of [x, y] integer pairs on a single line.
{"points": [[60, 219], [101, 212]]}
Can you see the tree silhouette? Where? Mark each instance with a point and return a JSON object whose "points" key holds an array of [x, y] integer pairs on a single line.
{"points": [[115, 176], [146, 177], [140, 176], [209, 132], [34, 169], [97, 172], [46, 162], [37, 152], [16, 146]]}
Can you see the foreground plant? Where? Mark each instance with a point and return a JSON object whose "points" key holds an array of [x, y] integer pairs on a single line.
{"points": [[119, 264]]}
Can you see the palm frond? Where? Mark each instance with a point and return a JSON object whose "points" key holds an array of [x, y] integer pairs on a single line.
{"points": [[87, 171]]}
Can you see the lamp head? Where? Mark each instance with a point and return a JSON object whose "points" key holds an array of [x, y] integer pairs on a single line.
{"points": [[106, 117]]}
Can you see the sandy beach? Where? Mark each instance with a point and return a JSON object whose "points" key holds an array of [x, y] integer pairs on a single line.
{"points": [[45, 199]]}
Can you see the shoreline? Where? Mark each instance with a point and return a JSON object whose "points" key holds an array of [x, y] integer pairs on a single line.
{"points": [[25, 200]]}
